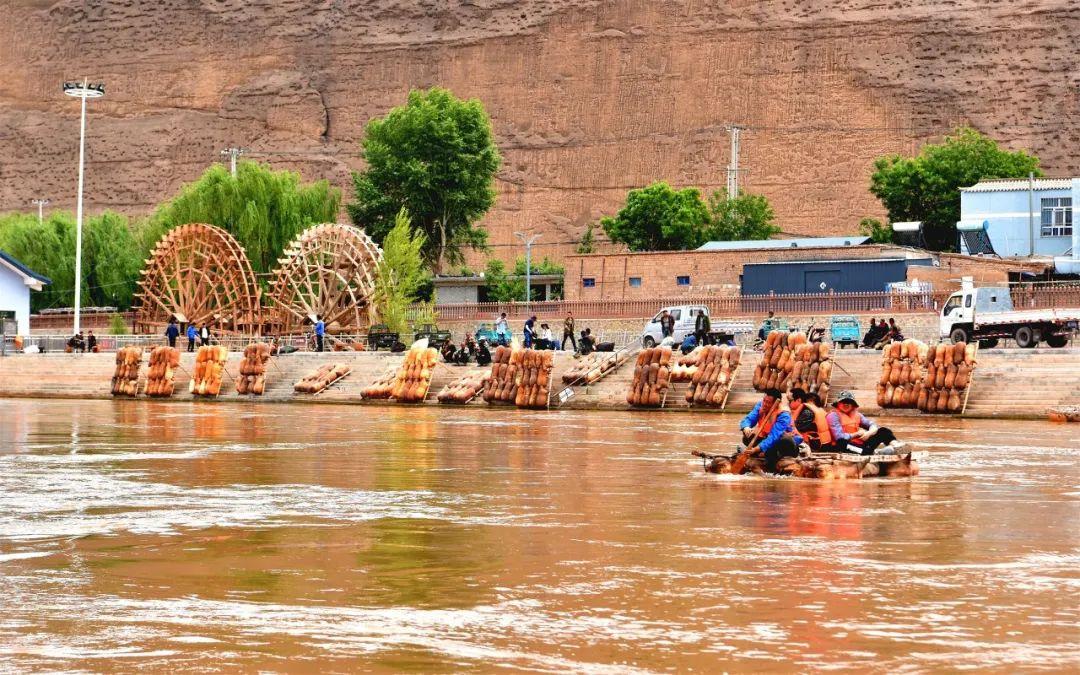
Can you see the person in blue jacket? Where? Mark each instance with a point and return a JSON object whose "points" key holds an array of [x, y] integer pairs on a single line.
{"points": [[192, 335], [768, 429], [172, 331], [320, 332]]}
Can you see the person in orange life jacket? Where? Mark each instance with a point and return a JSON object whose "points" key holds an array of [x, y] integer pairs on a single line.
{"points": [[854, 432], [768, 429], [814, 423]]}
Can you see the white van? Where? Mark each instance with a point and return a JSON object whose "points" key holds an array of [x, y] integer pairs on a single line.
{"points": [[685, 317]]}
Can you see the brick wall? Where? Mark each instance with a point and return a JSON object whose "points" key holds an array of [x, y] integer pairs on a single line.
{"points": [[716, 273], [710, 272]]}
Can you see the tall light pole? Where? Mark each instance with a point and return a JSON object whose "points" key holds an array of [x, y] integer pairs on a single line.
{"points": [[83, 90], [528, 241], [41, 203], [233, 153]]}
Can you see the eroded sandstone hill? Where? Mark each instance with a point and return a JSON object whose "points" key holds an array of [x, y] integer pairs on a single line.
{"points": [[588, 98]]}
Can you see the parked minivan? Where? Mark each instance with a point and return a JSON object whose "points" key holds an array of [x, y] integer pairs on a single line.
{"points": [[685, 317]]}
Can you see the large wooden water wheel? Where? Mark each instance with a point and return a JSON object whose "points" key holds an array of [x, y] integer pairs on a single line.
{"points": [[199, 274], [328, 270]]}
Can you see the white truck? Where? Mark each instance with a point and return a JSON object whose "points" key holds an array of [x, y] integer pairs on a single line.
{"points": [[987, 315], [685, 319]]}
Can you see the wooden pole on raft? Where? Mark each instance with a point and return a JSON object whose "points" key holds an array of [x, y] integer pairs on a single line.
{"points": [[971, 380]]}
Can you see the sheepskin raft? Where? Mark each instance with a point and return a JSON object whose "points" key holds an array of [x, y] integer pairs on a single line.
{"points": [[902, 368], [160, 378], [822, 466], [125, 381], [322, 377], [652, 375], [948, 376], [713, 375], [209, 367], [252, 378], [790, 361], [414, 377], [464, 388]]}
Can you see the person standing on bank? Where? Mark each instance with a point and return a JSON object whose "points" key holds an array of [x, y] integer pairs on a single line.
{"points": [[172, 331], [530, 331], [568, 332], [320, 332], [204, 335], [702, 328], [854, 432], [502, 330], [667, 324], [192, 334]]}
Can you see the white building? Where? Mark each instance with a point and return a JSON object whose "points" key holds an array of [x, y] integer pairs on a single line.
{"points": [[16, 282], [1017, 217]]}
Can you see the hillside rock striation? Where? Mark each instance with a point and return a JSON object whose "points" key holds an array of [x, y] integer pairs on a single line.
{"points": [[588, 99]]}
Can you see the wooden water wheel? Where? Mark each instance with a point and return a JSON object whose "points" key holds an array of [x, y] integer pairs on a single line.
{"points": [[199, 274], [328, 270]]}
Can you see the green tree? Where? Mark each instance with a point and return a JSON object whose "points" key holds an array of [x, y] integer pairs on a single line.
{"points": [[587, 243], [878, 232], [401, 273], [436, 157], [927, 187], [748, 216], [262, 208], [660, 218], [503, 286], [112, 257]]}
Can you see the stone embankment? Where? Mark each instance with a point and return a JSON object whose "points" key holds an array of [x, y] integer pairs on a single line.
{"points": [[1006, 383]]}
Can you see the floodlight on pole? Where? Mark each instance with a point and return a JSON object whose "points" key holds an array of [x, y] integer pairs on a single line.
{"points": [[528, 241], [232, 153], [41, 204], [82, 90]]}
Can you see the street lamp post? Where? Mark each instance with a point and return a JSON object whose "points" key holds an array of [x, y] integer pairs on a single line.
{"points": [[528, 241], [41, 203], [83, 90]]}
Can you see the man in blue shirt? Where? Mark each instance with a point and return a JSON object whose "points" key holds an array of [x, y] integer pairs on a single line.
{"points": [[172, 332], [769, 430], [320, 331], [192, 334], [502, 330]]}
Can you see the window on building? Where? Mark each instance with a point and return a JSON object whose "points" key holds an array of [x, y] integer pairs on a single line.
{"points": [[682, 281], [635, 282], [588, 282], [1057, 217]]}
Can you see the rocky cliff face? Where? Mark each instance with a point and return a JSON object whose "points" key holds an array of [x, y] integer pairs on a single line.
{"points": [[588, 99]]}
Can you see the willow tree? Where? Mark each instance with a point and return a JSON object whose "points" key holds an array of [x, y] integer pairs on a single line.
{"points": [[401, 273], [436, 157], [112, 257], [262, 208]]}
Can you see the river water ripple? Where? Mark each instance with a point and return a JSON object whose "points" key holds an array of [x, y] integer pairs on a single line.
{"points": [[174, 537]]}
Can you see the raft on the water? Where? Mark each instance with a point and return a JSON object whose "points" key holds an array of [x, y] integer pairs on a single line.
{"points": [[1064, 414], [821, 465]]}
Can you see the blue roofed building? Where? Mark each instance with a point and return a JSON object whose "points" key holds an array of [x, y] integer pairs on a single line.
{"points": [[1021, 218], [16, 282]]}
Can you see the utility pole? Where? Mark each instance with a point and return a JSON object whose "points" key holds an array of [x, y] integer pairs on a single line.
{"points": [[82, 91], [1031, 213], [528, 264], [232, 153], [41, 203], [733, 165]]}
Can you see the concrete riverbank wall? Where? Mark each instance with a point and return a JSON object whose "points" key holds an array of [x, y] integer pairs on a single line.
{"points": [[1007, 382]]}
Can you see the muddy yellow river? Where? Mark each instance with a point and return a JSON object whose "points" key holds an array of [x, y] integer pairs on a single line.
{"points": [[223, 537]]}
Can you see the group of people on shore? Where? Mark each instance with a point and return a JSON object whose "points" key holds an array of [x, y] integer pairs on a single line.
{"points": [[200, 335], [543, 338], [81, 344], [783, 425], [881, 333]]}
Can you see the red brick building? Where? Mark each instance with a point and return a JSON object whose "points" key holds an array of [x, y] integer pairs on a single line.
{"points": [[717, 271]]}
